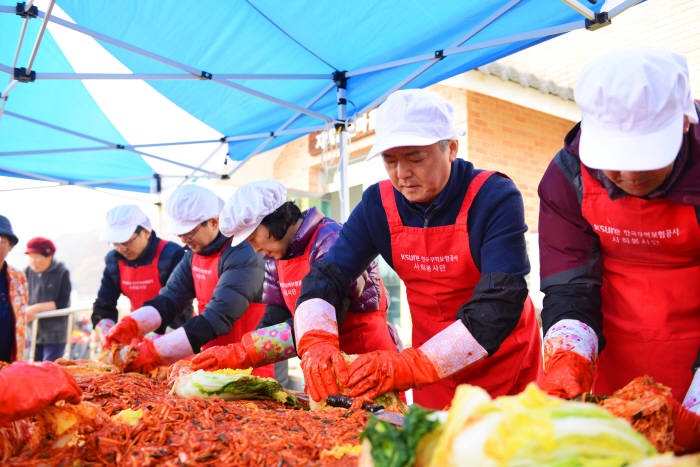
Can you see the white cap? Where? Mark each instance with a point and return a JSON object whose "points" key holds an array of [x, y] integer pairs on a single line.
{"points": [[632, 106], [248, 206], [190, 205], [413, 117], [122, 222]]}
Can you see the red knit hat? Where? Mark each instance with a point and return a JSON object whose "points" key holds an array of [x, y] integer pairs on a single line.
{"points": [[41, 245]]}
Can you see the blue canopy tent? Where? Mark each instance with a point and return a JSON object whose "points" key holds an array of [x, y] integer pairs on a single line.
{"points": [[254, 74]]}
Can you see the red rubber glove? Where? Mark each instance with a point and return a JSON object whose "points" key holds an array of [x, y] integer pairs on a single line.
{"points": [[27, 388], [567, 375], [232, 356], [148, 358], [123, 332], [321, 362], [686, 430], [374, 373]]}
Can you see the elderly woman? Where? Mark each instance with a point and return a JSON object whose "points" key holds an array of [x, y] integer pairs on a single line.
{"points": [[291, 241]]}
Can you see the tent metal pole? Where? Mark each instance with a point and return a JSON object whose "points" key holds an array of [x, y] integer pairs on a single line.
{"points": [[279, 132], [107, 143], [291, 120], [174, 143], [202, 163], [341, 93], [135, 146], [474, 31], [27, 6], [295, 131], [554, 30], [233, 138], [112, 180], [2, 106], [584, 10], [127, 179], [62, 182], [31, 187], [53, 151], [196, 72], [181, 164], [177, 76], [34, 175], [10, 86], [622, 7], [85, 184], [58, 128], [12, 10], [124, 45], [12, 82], [272, 99], [40, 36]]}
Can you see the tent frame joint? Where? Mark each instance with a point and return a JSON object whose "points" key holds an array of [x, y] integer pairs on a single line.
{"points": [[340, 79], [156, 183], [205, 75], [439, 54], [20, 74], [21, 10], [601, 20], [119, 146]]}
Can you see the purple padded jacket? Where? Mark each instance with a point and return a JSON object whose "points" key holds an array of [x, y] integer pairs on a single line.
{"points": [[365, 291]]}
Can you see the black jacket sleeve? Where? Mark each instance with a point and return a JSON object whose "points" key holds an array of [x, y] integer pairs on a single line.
{"points": [[177, 293], [240, 283], [494, 309], [105, 305], [274, 314], [570, 259], [64, 289], [169, 259]]}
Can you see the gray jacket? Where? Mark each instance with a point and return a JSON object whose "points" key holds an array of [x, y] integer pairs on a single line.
{"points": [[51, 285], [241, 274]]}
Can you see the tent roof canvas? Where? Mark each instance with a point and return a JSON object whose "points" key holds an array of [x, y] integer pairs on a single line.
{"points": [[123, 89]]}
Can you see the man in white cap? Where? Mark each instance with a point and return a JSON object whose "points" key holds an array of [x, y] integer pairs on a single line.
{"points": [[620, 235], [138, 267], [227, 282], [292, 241], [454, 235]]}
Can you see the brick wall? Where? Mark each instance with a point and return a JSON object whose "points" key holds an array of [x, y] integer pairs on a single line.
{"points": [[515, 140]]}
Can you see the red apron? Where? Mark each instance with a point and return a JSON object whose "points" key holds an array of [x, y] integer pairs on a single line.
{"points": [[141, 283], [650, 298], [205, 275], [437, 267], [360, 332]]}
